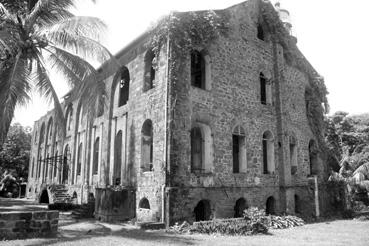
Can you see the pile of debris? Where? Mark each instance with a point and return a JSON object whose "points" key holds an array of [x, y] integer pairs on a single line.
{"points": [[282, 222]]}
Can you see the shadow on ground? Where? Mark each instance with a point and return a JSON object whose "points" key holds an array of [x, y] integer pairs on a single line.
{"points": [[70, 232]]}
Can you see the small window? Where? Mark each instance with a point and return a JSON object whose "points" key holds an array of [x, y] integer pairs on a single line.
{"points": [[79, 159], [144, 203], [147, 146], [260, 33], [96, 156], [198, 75], [268, 153], [239, 150], [124, 88], [150, 72]]}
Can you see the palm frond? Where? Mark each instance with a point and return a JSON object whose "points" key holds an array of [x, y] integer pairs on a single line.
{"points": [[43, 84], [47, 12], [87, 26], [15, 89], [74, 68]]}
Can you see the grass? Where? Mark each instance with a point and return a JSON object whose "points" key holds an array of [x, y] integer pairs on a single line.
{"points": [[90, 232]]}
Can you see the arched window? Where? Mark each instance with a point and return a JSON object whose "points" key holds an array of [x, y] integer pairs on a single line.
{"points": [[68, 116], [144, 203], [241, 205], [313, 158], [147, 146], [239, 150], [66, 160], [149, 74], [100, 107], [46, 169], [49, 130], [123, 88], [79, 159], [260, 32], [118, 158], [197, 69], [201, 148], [293, 154], [270, 206], [33, 167], [268, 153], [96, 156], [265, 90], [197, 146], [42, 134], [55, 164]]}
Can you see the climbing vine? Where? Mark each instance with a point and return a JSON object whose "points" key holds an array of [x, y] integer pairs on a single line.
{"points": [[316, 93]]}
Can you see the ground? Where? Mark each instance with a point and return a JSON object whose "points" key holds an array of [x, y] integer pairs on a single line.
{"points": [[91, 232]]}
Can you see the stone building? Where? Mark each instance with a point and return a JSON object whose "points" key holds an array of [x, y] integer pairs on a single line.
{"points": [[231, 133]]}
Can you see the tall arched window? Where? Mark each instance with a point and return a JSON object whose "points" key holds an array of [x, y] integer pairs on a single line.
{"points": [[197, 146], [198, 72], [124, 88], [68, 116], [147, 146], [66, 161], [49, 130], [239, 150], [100, 107], [46, 163], [313, 157], [293, 154], [268, 153], [42, 134], [149, 73], [260, 32], [33, 167], [79, 159], [95, 165], [55, 164], [117, 158]]}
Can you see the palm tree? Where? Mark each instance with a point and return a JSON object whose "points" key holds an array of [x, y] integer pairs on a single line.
{"points": [[39, 35]]}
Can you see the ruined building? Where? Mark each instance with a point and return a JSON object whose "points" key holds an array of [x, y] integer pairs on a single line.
{"points": [[195, 136]]}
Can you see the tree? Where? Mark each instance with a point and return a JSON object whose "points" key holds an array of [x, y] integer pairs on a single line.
{"points": [[37, 35], [15, 152]]}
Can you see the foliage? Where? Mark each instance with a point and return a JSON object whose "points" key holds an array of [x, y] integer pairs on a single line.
{"points": [[348, 138], [37, 35], [15, 152]]}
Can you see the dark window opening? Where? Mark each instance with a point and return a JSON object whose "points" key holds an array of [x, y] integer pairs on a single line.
{"points": [[263, 89], [197, 69], [79, 159], [260, 34], [240, 207], [197, 141], [313, 158], [202, 211], [96, 156], [44, 198], [100, 107], [236, 153], [144, 203], [270, 206], [149, 73], [147, 150], [293, 155], [33, 167], [124, 88], [118, 158], [65, 164], [297, 204], [265, 155]]}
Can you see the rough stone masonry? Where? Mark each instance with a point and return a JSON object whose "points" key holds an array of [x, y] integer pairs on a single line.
{"points": [[231, 133]]}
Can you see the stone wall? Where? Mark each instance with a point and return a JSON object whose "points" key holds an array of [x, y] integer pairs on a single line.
{"points": [[28, 224]]}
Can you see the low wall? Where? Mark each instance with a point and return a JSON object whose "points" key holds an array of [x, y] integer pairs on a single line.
{"points": [[28, 224]]}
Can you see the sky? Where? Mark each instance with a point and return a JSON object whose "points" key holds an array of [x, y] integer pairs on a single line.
{"points": [[332, 34]]}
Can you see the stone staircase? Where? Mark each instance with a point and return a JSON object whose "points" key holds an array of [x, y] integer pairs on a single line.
{"points": [[85, 210], [60, 194]]}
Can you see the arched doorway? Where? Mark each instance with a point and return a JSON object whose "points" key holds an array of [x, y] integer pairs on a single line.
{"points": [[66, 160], [270, 206], [44, 198], [297, 205], [240, 206], [202, 211]]}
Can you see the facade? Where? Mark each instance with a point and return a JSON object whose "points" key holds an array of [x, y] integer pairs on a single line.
{"points": [[231, 133]]}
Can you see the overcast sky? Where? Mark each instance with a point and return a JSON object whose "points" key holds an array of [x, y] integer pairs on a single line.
{"points": [[332, 34]]}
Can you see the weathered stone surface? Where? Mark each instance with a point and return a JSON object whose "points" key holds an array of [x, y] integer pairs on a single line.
{"points": [[174, 107]]}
